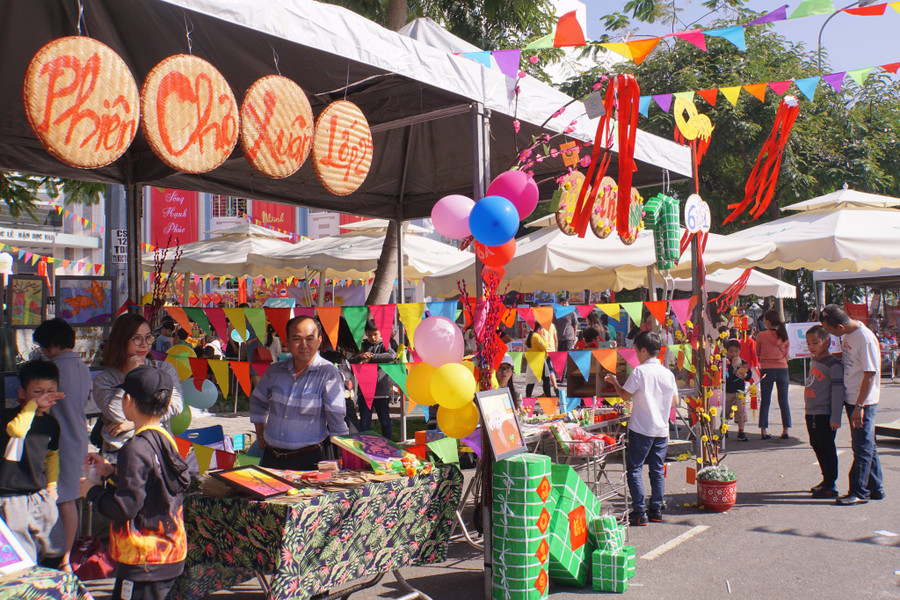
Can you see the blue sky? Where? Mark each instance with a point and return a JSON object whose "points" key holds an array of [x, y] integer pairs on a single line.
{"points": [[851, 42]]}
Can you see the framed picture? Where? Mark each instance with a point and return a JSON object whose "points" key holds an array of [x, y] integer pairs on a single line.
{"points": [[498, 414], [84, 301], [257, 481], [26, 301], [13, 557], [370, 447]]}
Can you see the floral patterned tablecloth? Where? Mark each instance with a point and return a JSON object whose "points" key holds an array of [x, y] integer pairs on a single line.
{"points": [[39, 583], [320, 543]]}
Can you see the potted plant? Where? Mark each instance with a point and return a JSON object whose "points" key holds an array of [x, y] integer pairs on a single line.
{"points": [[717, 488]]}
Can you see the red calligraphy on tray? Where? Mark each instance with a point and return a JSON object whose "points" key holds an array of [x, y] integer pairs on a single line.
{"points": [[293, 143], [348, 148], [199, 96]]}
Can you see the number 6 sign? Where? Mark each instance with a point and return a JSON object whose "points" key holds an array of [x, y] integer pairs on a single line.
{"points": [[696, 214]]}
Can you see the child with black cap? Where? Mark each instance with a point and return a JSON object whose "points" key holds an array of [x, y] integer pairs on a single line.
{"points": [[147, 538]]}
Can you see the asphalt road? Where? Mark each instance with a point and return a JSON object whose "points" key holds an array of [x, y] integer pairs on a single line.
{"points": [[777, 541]]}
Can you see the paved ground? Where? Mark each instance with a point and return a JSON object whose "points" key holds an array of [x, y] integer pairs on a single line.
{"points": [[777, 542]]}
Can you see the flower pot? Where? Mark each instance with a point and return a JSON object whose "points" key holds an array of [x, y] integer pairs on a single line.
{"points": [[717, 496]]}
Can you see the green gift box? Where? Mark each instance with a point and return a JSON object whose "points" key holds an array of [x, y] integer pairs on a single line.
{"points": [[606, 533], [569, 546], [629, 566], [522, 467], [610, 570], [573, 491]]}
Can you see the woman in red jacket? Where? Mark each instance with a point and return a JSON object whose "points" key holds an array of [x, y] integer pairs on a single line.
{"points": [[772, 348]]}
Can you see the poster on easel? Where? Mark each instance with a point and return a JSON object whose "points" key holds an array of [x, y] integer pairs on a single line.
{"points": [[26, 301], [498, 414], [378, 451], [85, 301]]}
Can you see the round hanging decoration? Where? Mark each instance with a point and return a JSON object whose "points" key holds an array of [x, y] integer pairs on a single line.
{"points": [[81, 101], [276, 126], [570, 186], [603, 217], [635, 218], [189, 114], [342, 148]]}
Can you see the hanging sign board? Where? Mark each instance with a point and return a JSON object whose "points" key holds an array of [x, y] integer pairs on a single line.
{"points": [[81, 102], [342, 151], [190, 117]]}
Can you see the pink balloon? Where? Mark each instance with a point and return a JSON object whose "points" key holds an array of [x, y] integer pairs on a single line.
{"points": [[519, 188], [450, 216], [439, 341]]}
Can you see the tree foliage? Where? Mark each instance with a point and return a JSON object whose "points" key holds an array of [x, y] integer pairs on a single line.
{"points": [[19, 191]]}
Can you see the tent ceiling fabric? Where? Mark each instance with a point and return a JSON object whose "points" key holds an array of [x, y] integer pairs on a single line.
{"points": [[394, 80]]}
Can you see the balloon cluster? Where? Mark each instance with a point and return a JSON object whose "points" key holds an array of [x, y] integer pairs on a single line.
{"points": [[494, 220], [442, 379]]}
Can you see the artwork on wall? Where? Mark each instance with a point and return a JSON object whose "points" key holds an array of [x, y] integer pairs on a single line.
{"points": [[85, 301], [26, 301]]}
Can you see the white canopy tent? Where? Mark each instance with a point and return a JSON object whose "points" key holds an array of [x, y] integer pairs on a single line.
{"points": [[550, 260], [355, 256], [759, 284]]}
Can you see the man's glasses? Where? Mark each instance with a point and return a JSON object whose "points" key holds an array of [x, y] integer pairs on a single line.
{"points": [[142, 340]]}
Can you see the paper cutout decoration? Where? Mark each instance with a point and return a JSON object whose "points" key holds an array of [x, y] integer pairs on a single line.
{"points": [[570, 187], [81, 102], [695, 125], [342, 148], [761, 183], [190, 116], [276, 126], [603, 215]]}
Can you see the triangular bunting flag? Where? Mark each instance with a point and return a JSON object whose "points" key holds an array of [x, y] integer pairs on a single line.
{"points": [[629, 355], [582, 360], [731, 93], [411, 316], [688, 95], [835, 80], [779, 14], [709, 95], [183, 445], [508, 62], [694, 36], [517, 362], [680, 308], [199, 370], [260, 367], [536, 362], [242, 373], [560, 311], [177, 313], [543, 42], [242, 460], [356, 319], [397, 372], [641, 48], [664, 101], [509, 316], [780, 87], [662, 355], [367, 377], [527, 315], [644, 105], [606, 357], [216, 316], [550, 406], [611, 309], [483, 57], [279, 318], [257, 319], [618, 48], [239, 321], [224, 460], [892, 67], [330, 317], [305, 311], [568, 31], [635, 310], [758, 90], [443, 309], [658, 309], [895, 6], [735, 35], [808, 8], [558, 360], [808, 86], [220, 371], [528, 405], [859, 75], [383, 315], [584, 310], [204, 457]]}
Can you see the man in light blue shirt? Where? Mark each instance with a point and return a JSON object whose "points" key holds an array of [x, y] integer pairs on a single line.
{"points": [[298, 402]]}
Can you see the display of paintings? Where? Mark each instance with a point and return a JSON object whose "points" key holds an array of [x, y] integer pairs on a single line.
{"points": [[13, 557], [527, 299], [85, 301], [257, 481], [26, 301], [577, 297], [370, 447], [498, 414]]}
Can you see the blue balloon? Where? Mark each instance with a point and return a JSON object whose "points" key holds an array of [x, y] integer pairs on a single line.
{"points": [[494, 220]]}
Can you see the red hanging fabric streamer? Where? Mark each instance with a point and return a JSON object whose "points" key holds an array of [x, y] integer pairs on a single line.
{"points": [[731, 293], [629, 103], [761, 183]]}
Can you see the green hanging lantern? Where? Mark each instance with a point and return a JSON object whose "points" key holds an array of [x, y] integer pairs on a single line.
{"points": [[661, 217]]}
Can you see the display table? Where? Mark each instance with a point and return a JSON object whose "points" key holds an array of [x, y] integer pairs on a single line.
{"points": [[39, 583], [318, 544]]}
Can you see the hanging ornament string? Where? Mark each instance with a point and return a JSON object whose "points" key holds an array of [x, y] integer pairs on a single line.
{"points": [[629, 99], [761, 183], [731, 293], [597, 168]]}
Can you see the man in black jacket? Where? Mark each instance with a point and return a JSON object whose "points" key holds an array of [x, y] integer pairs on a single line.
{"points": [[375, 350], [147, 538]]}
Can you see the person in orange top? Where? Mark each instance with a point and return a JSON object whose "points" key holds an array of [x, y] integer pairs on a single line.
{"points": [[772, 349]]}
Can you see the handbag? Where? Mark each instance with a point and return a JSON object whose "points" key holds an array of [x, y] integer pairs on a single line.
{"points": [[90, 559]]}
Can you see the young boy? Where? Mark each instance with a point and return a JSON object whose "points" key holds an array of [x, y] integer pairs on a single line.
{"points": [[29, 469], [652, 389], [146, 538], [374, 350], [824, 400], [737, 372]]}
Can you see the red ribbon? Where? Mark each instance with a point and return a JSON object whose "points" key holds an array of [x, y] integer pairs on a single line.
{"points": [[731, 293]]}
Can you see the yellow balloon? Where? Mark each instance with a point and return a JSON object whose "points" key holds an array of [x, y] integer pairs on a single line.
{"points": [[460, 422], [182, 365], [452, 386], [469, 365], [418, 384], [181, 349]]}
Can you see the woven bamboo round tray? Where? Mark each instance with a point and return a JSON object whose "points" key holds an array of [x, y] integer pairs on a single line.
{"points": [[188, 114], [603, 215], [81, 101], [342, 148], [635, 218], [276, 126], [570, 186]]}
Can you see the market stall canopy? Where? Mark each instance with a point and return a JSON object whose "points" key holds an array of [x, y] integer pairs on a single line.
{"points": [[229, 253], [419, 101], [355, 256], [882, 278], [759, 284], [838, 235], [549, 260], [844, 198], [381, 225]]}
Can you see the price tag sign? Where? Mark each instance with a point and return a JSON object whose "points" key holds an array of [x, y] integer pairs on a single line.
{"points": [[696, 214]]}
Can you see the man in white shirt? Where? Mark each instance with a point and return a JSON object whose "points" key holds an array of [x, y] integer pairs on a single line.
{"points": [[652, 389], [861, 355]]}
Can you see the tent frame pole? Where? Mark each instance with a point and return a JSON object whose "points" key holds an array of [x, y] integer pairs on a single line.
{"points": [[401, 295], [134, 205]]}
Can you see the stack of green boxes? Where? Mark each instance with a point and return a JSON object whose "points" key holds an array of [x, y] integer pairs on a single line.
{"points": [[576, 506], [522, 509], [613, 562]]}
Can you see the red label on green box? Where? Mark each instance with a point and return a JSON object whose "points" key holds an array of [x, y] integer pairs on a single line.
{"points": [[543, 521], [543, 551], [577, 528], [541, 582], [543, 490]]}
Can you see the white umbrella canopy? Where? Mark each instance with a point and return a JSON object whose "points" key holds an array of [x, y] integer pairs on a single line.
{"points": [[355, 256], [853, 238], [845, 198], [247, 229], [381, 225], [759, 284], [550, 260]]}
